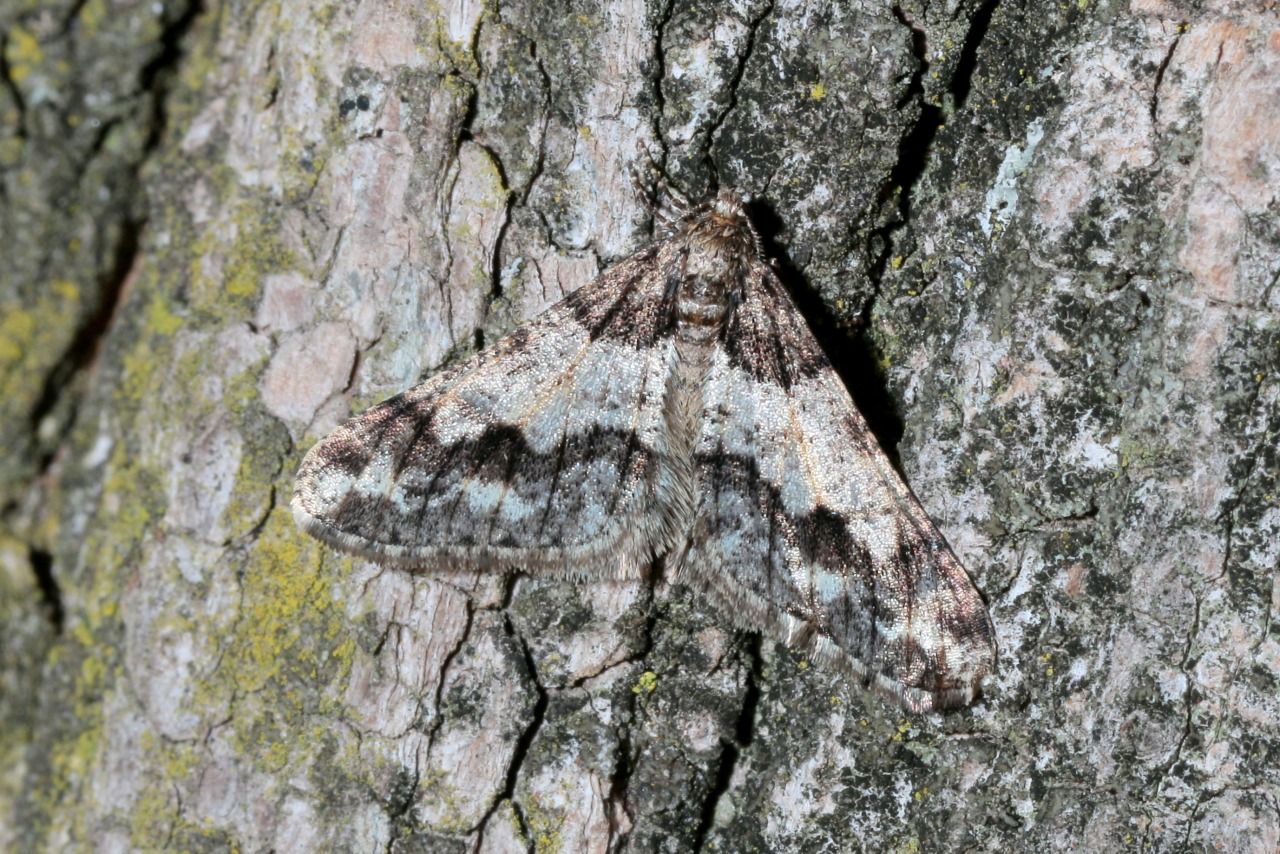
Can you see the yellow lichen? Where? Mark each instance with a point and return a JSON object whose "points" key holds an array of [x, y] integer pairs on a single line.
{"points": [[544, 825], [908, 846], [161, 319], [288, 603], [647, 682], [92, 14], [22, 52], [17, 329]]}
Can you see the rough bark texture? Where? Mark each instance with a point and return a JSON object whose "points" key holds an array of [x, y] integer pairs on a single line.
{"points": [[1040, 240]]}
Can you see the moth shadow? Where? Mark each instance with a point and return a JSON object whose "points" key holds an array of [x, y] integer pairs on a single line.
{"points": [[852, 352]]}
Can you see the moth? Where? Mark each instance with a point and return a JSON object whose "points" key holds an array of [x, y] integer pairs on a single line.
{"points": [[677, 408]]}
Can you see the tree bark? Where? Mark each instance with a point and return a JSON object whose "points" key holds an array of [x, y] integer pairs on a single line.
{"points": [[1038, 240]]}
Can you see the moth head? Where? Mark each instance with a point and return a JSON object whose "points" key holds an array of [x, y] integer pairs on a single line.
{"points": [[723, 226], [729, 204]]}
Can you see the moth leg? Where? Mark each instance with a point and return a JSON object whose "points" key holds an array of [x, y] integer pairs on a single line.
{"points": [[655, 191]]}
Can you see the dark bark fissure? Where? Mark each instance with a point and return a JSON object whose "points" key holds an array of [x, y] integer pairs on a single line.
{"points": [[1160, 72], [1202, 798], [60, 395], [659, 74], [273, 498], [735, 82], [744, 734], [466, 134], [444, 200], [855, 357], [1188, 724], [399, 803], [704, 140], [919, 50], [86, 343], [50, 591], [154, 75], [399, 806], [526, 738], [962, 79], [445, 664], [1265, 298], [19, 103], [914, 149], [625, 752], [619, 783], [540, 154], [525, 741]]}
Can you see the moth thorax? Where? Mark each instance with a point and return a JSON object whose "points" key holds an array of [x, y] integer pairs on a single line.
{"points": [[703, 299]]}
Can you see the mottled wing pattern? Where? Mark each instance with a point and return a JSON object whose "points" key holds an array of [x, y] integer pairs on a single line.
{"points": [[803, 525], [545, 450]]}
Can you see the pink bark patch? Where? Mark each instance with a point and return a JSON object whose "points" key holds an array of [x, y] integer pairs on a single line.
{"points": [[308, 369]]}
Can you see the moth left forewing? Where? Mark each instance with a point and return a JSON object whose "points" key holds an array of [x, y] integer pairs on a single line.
{"points": [[542, 452], [803, 525]]}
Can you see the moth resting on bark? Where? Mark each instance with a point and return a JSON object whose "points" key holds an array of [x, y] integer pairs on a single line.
{"points": [[676, 407]]}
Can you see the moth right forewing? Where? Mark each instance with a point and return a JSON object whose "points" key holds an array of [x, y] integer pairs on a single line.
{"points": [[804, 526]]}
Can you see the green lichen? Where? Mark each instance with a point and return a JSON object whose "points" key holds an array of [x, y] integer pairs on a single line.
{"points": [[132, 498], [1138, 454], [302, 163], [27, 636], [17, 329], [150, 353]]}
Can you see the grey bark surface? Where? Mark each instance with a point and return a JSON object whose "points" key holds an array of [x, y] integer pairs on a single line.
{"points": [[1040, 242]]}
